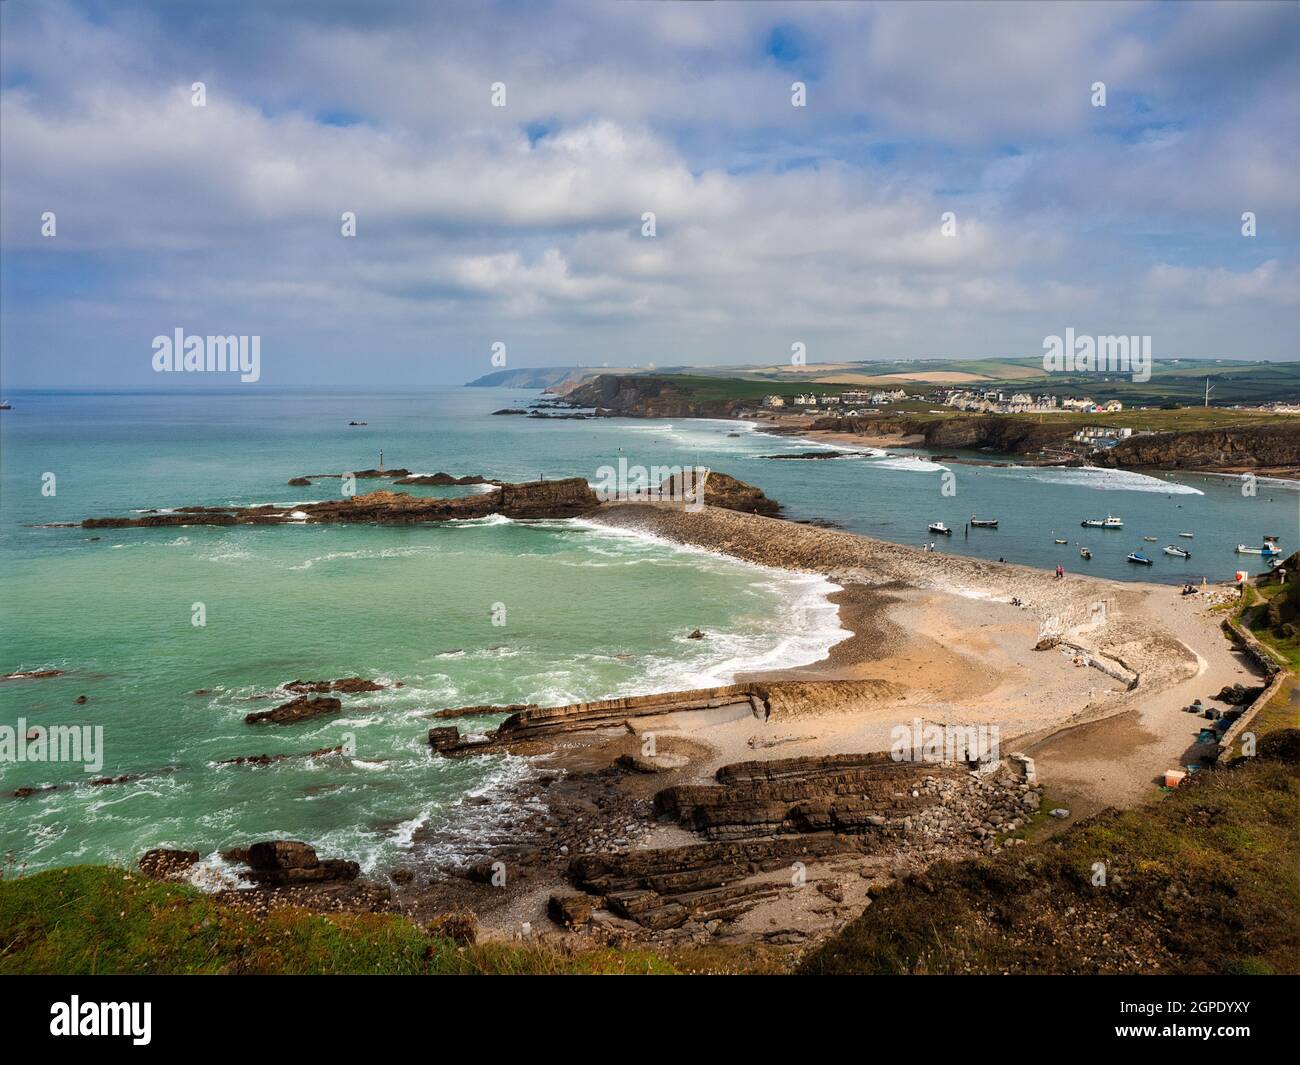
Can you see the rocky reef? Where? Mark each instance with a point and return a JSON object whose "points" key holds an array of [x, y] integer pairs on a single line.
{"points": [[566, 498], [570, 497]]}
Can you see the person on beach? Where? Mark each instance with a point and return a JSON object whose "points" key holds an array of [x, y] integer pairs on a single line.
{"points": [[1060, 571]]}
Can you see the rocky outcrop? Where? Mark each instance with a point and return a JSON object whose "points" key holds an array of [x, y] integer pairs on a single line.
{"points": [[33, 674], [1237, 449], [838, 793], [663, 888], [304, 708], [269, 759], [443, 479], [284, 863], [346, 685], [567, 498]]}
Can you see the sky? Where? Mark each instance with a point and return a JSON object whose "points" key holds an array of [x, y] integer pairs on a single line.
{"points": [[522, 225]]}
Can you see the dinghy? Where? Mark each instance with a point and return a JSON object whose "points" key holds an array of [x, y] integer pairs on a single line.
{"points": [[1149, 539], [983, 523], [1062, 541], [1187, 535]]}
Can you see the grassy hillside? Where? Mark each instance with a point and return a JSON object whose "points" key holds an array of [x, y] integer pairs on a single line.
{"points": [[1181, 382], [91, 919]]}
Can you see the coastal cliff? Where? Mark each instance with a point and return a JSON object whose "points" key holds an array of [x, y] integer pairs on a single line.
{"points": [[1262, 448], [650, 397], [1272, 449]]}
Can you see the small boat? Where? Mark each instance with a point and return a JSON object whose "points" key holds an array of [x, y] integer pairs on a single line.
{"points": [[1270, 549], [983, 523], [1061, 541], [1242, 549], [1170, 549], [358, 423], [1149, 539], [5, 406], [1187, 536], [1140, 559], [940, 528], [1084, 553], [1109, 522]]}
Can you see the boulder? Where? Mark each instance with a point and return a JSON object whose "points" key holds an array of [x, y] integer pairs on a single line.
{"points": [[282, 854], [571, 911], [287, 863], [299, 482], [444, 736]]}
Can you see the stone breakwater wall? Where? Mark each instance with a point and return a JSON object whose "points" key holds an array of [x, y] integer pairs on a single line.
{"points": [[1276, 674], [764, 701]]}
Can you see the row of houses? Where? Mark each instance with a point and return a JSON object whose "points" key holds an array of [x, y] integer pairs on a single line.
{"points": [[854, 398], [994, 401]]}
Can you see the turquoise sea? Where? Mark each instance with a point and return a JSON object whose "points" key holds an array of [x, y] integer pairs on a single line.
{"points": [[587, 612]]}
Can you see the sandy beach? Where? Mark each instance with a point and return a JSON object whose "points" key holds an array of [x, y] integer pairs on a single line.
{"points": [[1086, 676]]}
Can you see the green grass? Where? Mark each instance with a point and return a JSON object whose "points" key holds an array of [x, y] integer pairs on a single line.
{"points": [[1203, 881], [91, 919]]}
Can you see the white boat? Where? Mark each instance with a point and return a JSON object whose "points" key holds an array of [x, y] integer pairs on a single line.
{"points": [[983, 523], [1242, 549], [1109, 522], [1188, 536], [1170, 549], [940, 528], [1084, 553], [1149, 539]]}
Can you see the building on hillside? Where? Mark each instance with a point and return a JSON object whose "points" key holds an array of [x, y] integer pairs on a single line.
{"points": [[1114, 406], [774, 401]]}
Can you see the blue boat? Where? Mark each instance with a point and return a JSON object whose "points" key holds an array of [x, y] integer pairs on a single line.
{"points": [[1140, 559]]}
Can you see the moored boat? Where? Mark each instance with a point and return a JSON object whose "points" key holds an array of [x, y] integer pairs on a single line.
{"points": [[1242, 549], [1084, 553], [1187, 535], [940, 528], [1170, 549], [1109, 522], [1149, 539], [983, 523], [1140, 559]]}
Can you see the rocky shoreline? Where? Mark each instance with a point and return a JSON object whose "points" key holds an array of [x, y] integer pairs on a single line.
{"points": [[669, 817]]}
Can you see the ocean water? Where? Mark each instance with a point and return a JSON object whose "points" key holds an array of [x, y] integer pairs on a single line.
{"points": [[487, 611]]}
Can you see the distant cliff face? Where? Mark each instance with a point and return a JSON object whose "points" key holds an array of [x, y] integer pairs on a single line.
{"points": [[529, 377], [1260, 447], [648, 397]]}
